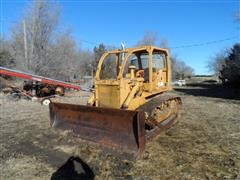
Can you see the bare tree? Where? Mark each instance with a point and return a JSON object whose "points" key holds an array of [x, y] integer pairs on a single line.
{"points": [[179, 69], [98, 52], [40, 48], [216, 63], [174, 75], [33, 35], [6, 58], [188, 72], [109, 65], [226, 64], [149, 38], [87, 63], [237, 16], [64, 61], [164, 43]]}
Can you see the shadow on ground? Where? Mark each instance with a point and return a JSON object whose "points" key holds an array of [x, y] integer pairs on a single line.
{"points": [[210, 90], [74, 169]]}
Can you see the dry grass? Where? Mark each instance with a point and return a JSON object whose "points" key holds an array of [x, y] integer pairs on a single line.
{"points": [[204, 144]]}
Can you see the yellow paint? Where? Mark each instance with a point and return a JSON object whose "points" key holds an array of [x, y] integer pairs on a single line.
{"points": [[131, 91]]}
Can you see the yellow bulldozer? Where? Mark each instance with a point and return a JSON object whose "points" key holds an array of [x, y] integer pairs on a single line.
{"points": [[129, 105]]}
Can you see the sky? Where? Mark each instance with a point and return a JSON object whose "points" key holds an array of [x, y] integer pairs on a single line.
{"points": [[195, 30]]}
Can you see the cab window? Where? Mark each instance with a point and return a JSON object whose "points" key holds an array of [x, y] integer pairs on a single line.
{"points": [[109, 67], [158, 61]]}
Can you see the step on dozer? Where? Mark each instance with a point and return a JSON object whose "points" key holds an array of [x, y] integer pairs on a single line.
{"points": [[129, 104]]}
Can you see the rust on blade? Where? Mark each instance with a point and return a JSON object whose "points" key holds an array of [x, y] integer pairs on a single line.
{"points": [[120, 130]]}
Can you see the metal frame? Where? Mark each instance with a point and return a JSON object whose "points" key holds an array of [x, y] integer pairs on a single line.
{"points": [[129, 52], [32, 77], [126, 97]]}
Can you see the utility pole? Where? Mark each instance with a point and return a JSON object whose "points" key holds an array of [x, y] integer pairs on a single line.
{"points": [[25, 41]]}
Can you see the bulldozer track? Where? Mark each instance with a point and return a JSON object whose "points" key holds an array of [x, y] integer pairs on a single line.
{"points": [[160, 114], [126, 108]]}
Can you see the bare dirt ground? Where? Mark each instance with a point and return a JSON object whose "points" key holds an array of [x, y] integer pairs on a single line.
{"points": [[203, 144]]}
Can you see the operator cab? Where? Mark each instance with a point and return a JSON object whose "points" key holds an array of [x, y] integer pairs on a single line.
{"points": [[141, 63]]}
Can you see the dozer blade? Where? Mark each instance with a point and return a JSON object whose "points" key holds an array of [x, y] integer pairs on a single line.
{"points": [[120, 130]]}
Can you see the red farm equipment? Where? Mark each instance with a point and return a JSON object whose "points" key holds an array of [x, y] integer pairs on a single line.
{"points": [[36, 86]]}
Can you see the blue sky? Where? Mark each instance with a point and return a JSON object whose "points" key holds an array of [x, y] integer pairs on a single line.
{"points": [[182, 22]]}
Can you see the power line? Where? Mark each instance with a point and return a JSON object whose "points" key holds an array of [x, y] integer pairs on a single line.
{"points": [[89, 42], [180, 46], [205, 43]]}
